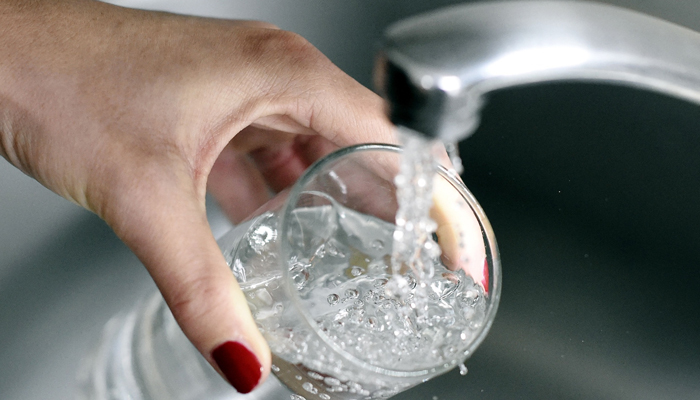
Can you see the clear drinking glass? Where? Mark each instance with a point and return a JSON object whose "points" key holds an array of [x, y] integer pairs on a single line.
{"points": [[314, 266]]}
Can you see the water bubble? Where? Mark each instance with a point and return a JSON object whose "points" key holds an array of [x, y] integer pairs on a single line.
{"points": [[315, 375], [383, 393], [300, 274], [380, 282], [330, 381], [332, 250], [411, 281], [260, 237], [377, 244], [320, 251], [356, 271], [447, 286], [309, 387], [377, 267], [342, 314], [469, 298], [372, 322], [333, 299], [352, 293]]}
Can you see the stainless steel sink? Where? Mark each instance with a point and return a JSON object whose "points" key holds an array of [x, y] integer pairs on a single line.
{"points": [[592, 191]]}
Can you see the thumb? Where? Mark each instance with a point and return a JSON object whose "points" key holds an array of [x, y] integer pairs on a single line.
{"points": [[170, 234]]}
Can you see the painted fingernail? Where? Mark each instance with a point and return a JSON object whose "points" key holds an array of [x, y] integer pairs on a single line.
{"points": [[239, 365]]}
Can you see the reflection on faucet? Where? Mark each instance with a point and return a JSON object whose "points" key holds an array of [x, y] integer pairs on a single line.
{"points": [[435, 69]]}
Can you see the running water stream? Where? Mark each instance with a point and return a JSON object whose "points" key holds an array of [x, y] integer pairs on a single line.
{"points": [[414, 248]]}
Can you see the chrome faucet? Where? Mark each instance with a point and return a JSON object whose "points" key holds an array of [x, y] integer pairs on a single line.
{"points": [[436, 69]]}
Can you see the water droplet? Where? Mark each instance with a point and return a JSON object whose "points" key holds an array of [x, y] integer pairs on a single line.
{"points": [[275, 368], [297, 397], [309, 387], [333, 299], [298, 377], [352, 294], [470, 298], [324, 396], [372, 322], [463, 369], [356, 271], [260, 237], [411, 281], [320, 251], [300, 274], [315, 375], [332, 250], [377, 244], [380, 282], [330, 381]]}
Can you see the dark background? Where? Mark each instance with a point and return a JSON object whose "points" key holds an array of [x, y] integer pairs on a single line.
{"points": [[592, 192]]}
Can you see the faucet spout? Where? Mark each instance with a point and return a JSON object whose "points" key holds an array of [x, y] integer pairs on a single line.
{"points": [[436, 69]]}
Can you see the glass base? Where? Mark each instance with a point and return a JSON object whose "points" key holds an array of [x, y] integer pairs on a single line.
{"points": [[143, 355]]}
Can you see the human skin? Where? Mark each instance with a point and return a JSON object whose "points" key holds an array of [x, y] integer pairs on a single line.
{"points": [[135, 114]]}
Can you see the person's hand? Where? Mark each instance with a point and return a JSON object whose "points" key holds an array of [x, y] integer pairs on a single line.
{"points": [[132, 114]]}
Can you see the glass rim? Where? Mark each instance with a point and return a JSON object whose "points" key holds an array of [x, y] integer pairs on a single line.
{"points": [[489, 242]]}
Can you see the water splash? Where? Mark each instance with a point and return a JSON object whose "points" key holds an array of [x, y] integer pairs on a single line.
{"points": [[414, 248]]}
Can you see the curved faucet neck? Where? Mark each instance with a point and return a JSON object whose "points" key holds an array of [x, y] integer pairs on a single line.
{"points": [[435, 69]]}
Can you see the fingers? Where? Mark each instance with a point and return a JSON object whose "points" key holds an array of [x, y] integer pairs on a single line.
{"points": [[169, 233], [237, 185], [459, 232], [281, 166]]}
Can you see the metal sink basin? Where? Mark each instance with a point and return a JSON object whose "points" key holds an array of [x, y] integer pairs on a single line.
{"points": [[592, 191]]}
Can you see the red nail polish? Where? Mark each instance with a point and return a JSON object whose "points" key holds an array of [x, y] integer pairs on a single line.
{"points": [[239, 365]]}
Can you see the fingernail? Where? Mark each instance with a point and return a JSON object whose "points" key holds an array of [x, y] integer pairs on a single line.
{"points": [[239, 365]]}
